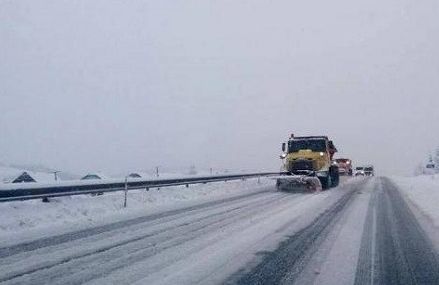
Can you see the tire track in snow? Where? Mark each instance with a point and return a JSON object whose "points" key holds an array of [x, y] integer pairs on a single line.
{"points": [[283, 265], [68, 237], [215, 242], [222, 217], [120, 234]]}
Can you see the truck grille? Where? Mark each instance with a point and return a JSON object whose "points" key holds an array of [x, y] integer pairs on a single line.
{"points": [[301, 164]]}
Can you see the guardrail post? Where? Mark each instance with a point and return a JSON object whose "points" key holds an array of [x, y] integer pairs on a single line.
{"points": [[126, 192], [143, 194]]}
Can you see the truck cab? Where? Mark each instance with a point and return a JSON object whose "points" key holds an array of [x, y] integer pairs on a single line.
{"points": [[344, 166], [311, 156]]}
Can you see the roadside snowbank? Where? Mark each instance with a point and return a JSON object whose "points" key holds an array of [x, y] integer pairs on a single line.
{"points": [[423, 193], [30, 219]]}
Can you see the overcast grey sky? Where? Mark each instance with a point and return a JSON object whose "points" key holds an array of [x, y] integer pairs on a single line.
{"points": [[112, 85]]}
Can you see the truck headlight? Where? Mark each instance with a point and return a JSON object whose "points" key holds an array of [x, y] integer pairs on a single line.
{"points": [[322, 154]]}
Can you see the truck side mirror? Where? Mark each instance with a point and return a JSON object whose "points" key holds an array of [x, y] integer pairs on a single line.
{"points": [[283, 147]]}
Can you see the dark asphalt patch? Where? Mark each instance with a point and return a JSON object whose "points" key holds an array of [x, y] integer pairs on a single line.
{"points": [[399, 251], [285, 263]]}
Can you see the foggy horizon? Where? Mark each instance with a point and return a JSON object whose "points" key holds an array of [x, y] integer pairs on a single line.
{"points": [[116, 86]]}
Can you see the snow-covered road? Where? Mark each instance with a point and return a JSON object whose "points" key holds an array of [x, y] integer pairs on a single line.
{"points": [[358, 233], [369, 236]]}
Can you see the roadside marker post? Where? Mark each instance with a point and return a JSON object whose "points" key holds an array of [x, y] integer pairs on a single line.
{"points": [[126, 192]]}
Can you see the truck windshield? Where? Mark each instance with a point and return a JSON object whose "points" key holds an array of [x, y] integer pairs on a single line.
{"points": [[369, 169], [313, 145]]}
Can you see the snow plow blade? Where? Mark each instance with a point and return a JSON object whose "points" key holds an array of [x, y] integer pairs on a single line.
{"points": [[298, 184]]}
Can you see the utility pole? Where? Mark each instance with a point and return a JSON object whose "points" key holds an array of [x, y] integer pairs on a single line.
{"points": [[55, 173], [157, 171]]}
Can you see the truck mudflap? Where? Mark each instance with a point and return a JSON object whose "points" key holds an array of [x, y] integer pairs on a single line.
{"points": [[298, 183]]}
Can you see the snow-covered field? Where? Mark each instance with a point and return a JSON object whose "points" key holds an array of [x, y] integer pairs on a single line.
{"points": [[423, 193], [203, 244], [30, 219]]}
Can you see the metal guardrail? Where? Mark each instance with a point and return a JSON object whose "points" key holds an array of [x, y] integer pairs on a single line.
{"points": [[17, 193]]}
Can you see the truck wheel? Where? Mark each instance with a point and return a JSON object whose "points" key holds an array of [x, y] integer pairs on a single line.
{"points": [[335, 176], [335, 180], [326, 182]]}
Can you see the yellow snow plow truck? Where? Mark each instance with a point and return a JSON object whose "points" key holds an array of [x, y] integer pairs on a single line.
{"points": [[308, 164]]}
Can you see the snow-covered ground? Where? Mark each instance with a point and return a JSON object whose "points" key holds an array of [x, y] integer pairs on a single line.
{"points": [[423, 192], [172, 236], [199, 245], [31, 219]]}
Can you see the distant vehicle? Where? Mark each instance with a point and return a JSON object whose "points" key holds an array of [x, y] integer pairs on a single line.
{"points": [[359, 171], [369, 170], [344, 166], [430, 169]]}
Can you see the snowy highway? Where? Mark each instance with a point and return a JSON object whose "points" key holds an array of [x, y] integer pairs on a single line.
{"points": [[219, 142], [362, 232]]}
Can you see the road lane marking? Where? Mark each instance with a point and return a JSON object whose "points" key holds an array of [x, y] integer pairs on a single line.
{"points": [[372, 256]]}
